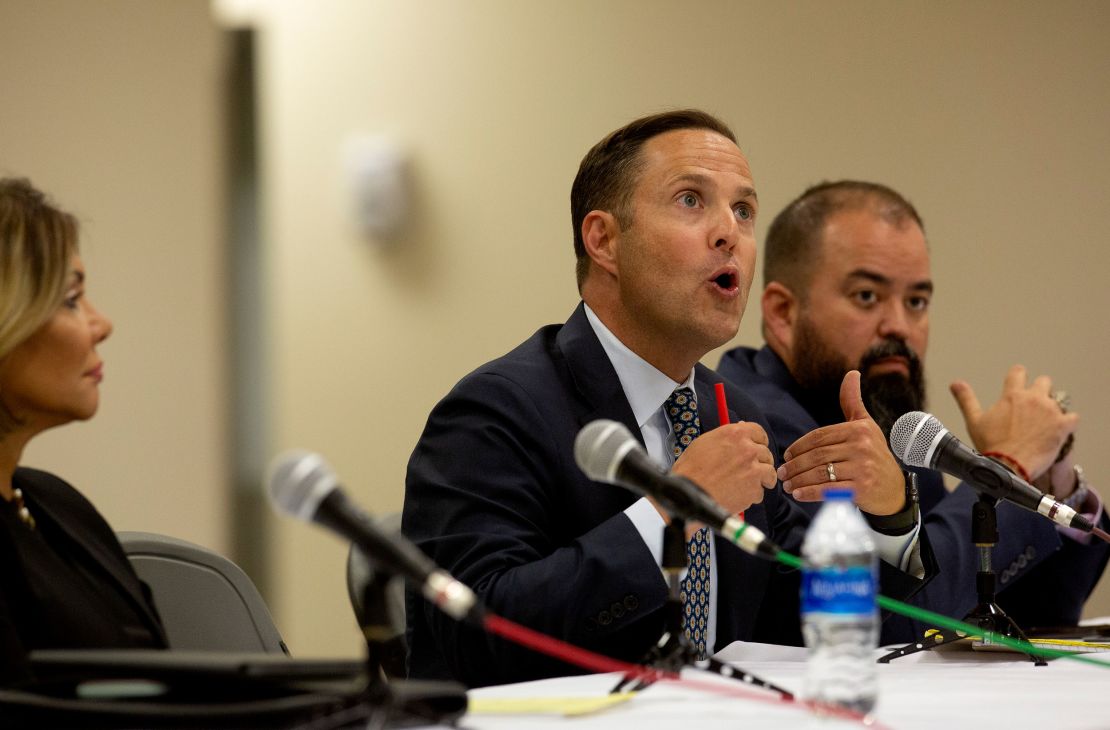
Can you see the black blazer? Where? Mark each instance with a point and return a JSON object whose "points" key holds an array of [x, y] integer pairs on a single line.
{"points": [[70, 518], [494, 496]]}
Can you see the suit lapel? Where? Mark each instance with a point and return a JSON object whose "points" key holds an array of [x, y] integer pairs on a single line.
{"points": [[592, 374]]}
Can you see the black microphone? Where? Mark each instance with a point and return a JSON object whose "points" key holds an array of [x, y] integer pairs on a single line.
{"points": [[304, 486], [919, 439], [608, 452]]}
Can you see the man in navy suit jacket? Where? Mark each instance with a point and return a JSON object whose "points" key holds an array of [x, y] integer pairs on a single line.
{"points": [[664, 213], [847, 285]]}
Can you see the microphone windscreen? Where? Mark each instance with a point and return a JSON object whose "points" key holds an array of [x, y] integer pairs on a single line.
{"points": [[912, 437], [299, 481], [599, 448]]}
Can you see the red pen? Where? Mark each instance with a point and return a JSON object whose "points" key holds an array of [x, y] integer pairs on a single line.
{"points": [[722, 410], [722, 407]]}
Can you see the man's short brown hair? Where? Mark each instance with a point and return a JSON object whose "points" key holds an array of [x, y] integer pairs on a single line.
{"points": [[792, 247], [608, 173]]}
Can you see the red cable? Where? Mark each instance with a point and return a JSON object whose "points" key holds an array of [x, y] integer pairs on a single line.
{"points": [[562, 650]]}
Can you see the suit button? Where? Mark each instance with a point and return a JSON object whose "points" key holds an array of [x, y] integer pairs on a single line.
{"points": [[1021, 561], [617, 609], [1031, 552], [1006, 575], [604, 618], [631, 603]]}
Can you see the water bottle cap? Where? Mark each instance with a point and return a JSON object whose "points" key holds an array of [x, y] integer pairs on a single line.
{"points": [[845, 493]]}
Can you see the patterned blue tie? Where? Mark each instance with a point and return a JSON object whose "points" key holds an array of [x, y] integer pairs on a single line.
{"points": [[682, 410]]}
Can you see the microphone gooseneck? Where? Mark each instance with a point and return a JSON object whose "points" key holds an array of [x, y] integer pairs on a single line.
{"points": [[919, 439]]}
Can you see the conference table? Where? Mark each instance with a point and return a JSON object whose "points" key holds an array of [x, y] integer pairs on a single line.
{"points": [[956, 687]]}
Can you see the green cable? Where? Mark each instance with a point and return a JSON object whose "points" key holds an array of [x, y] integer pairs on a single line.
{"points": [[936, 619], [787, 559]]}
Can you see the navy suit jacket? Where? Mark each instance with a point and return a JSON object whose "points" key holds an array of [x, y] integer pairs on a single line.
{"points": [[494, 496], [1043, 579]]}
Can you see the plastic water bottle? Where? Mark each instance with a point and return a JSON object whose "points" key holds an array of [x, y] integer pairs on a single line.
{"points": [[840, 619]]}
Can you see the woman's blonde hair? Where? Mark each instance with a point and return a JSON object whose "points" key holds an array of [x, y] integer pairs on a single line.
{"points": [[37, 243]]}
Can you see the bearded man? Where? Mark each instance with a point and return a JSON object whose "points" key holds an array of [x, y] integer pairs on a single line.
{"points": [[848, 287]]}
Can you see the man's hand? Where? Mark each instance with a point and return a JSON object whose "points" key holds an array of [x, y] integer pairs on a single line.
{"points": [[732, 463], [1026, 423], [858, 452]]}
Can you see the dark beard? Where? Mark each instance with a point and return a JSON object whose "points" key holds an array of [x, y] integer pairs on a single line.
{"points": [[819, 370]]}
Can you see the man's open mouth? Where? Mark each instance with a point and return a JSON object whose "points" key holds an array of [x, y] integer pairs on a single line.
{"points": [[727, 280]]}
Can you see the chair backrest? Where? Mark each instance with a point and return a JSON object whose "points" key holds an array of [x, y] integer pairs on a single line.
{"points": [[206, 601]]}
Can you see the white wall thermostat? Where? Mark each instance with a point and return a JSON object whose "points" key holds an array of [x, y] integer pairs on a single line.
{"points": [[377, 172]]}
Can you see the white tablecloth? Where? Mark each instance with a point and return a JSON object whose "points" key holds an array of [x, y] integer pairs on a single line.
{"points": [[957, 688]]}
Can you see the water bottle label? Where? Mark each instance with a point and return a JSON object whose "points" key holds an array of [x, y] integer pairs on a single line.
{"points": [[838, 590]]}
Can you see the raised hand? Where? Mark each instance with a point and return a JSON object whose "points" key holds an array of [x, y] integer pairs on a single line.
{"points": [[1026, 423]]}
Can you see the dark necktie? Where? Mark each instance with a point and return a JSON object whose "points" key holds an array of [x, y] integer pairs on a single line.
{"points": [[682, 410]]}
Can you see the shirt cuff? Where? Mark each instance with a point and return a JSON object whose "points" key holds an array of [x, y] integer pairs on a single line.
{"points": [[901, 551], [649, 523]]}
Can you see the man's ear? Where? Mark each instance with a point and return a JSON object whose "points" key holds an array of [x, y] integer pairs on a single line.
{"points": [[780, 317], [601, 237]]}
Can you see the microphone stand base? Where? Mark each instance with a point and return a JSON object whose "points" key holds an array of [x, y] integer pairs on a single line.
{"points": [[989, 618], [674, 651]]}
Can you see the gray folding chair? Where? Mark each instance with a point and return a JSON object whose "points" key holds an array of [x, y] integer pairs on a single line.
{"points": [[206, 601]]}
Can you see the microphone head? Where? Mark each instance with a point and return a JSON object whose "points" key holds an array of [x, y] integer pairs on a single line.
{"points": [[600, 447], [914, 436], [299, 481]]}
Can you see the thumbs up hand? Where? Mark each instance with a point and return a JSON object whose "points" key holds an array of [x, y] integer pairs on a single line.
{"points": [[851, 398], [851, 454]]}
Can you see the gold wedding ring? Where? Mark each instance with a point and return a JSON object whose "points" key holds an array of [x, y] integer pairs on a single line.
{"points": [[831, 471]]}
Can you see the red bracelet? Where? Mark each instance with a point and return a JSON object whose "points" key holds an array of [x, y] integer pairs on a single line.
{"points": [[1011, 461]]}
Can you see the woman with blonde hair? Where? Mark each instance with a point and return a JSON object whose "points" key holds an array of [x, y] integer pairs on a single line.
{"points": [[64, 579]]}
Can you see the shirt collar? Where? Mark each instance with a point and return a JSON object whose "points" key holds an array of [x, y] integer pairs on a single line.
{"points": [[646, 387]]}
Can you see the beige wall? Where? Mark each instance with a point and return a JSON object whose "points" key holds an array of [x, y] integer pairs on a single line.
{"points": [[113, 108], [991, 116]]}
